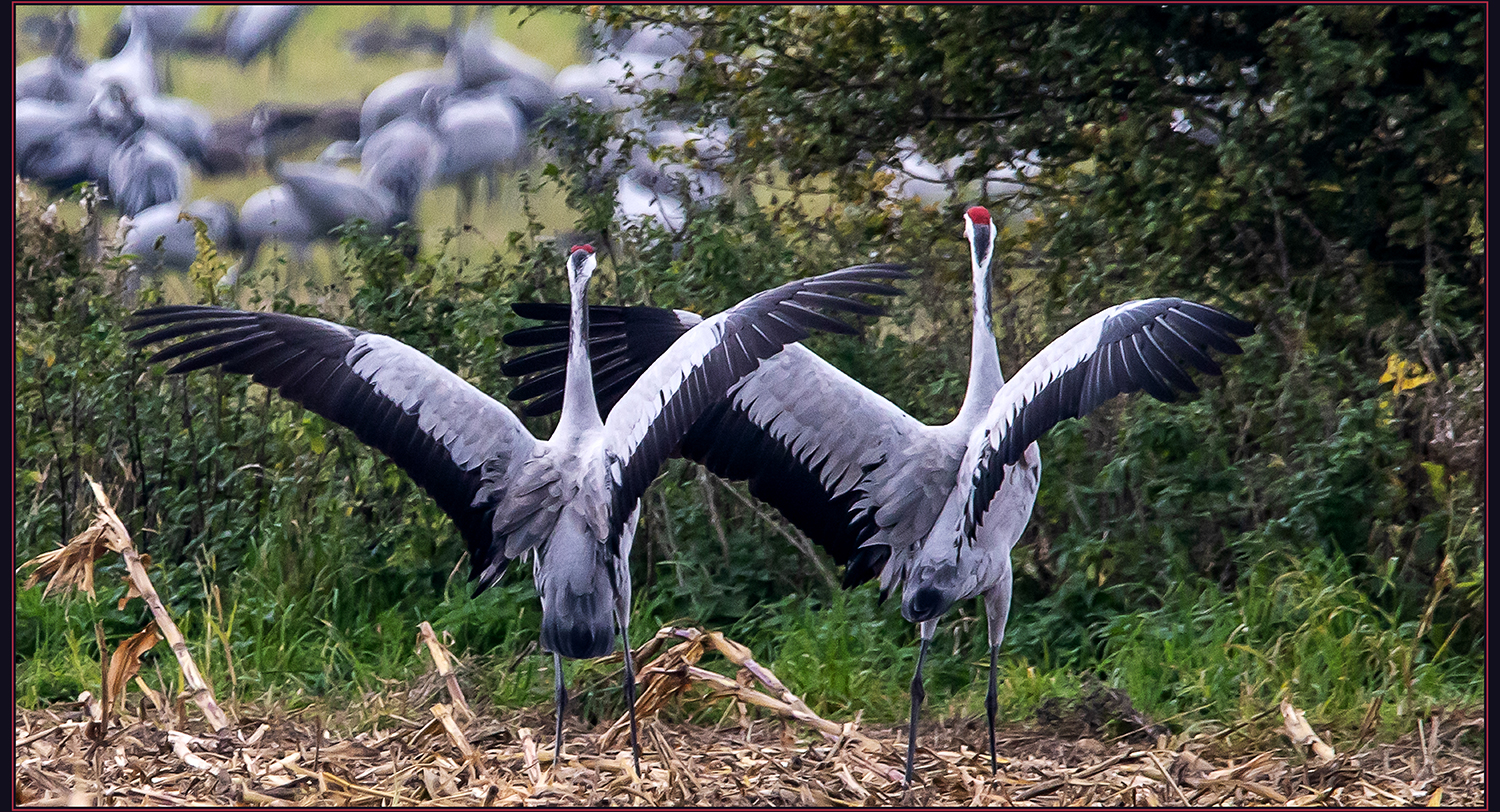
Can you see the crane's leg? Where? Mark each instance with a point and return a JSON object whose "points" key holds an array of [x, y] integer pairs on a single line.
{"points": [[917, 695], [991, 704], [561, 693], [997, 611], [467, 185], [635, 738], [491, 185]]}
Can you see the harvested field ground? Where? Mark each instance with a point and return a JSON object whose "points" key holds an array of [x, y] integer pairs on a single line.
{"points": [[775, 754]]}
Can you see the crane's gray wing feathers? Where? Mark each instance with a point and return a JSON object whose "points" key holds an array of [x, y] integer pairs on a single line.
{"points": [[455, 442], [809, 440], [813, 443], [1135, 345], [650, 420]]}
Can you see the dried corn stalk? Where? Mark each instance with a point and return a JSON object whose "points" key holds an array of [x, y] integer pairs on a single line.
{"points": [[441, 658], [1301, 733], [73, 564], [672, 673]]}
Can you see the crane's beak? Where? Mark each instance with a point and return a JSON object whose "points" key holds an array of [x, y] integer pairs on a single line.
{"points": [[983, 243]]}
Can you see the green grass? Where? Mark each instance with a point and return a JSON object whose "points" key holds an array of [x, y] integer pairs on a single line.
{"points": [[1200, 658]]}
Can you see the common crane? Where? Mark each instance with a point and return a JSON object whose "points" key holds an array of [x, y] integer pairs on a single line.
{"points": [[934, 510], [571, 501], [313, 199], [133, 67], [57, 77], [479, 57], [145, 171], [254, 30], [160, 237]]}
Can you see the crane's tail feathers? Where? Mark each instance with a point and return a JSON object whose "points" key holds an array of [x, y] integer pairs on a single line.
{"points": [[577, 625]]}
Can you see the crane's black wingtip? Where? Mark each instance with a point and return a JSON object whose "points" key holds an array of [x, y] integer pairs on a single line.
{"points": [[877, 270], [540, 311], [149, 317]]}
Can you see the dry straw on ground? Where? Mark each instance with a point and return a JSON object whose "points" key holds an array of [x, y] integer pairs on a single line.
{"points": [[148, 750], [275, 758]]}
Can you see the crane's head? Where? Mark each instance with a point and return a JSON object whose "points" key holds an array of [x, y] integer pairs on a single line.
{"points": [[581, 265], [981, 235]]}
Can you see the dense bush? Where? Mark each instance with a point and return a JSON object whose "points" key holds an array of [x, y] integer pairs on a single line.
{"points": [[1315, 511]]}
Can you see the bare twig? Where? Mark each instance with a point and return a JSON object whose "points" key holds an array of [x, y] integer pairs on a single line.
{"points": [[119, 541], [440, 657]]}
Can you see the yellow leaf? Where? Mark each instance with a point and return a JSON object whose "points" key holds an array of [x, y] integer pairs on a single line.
{"points": [[1437, 479], [1404, 374]]}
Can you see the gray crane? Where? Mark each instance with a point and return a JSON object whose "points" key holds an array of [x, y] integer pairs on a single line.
{"points": [[145, 171], [59, 76], [934, 510], [132, 68], [166, 24], [479, 57], [571, 501], [62, 145], [254, 30], [481, 134], [164, 237], [313, 199], [399, 96], [273, 215], [161, 237], [475, 134], [184, 123]]}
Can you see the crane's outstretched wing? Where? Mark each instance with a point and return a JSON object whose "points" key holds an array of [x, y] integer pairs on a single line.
{"points": [[432, 423], [809, 440], [1135, 345], [650, 420]]}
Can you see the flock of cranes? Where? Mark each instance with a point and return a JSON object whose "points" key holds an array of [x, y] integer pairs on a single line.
{"points": [[110, 122], [930, 510]]}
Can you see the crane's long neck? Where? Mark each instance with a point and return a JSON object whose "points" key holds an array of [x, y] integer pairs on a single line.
{"points": [[580, 411], [985, 378], [138, 44]]}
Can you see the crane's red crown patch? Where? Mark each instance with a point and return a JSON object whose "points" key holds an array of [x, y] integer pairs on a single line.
{"points": [[979, 215]]}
